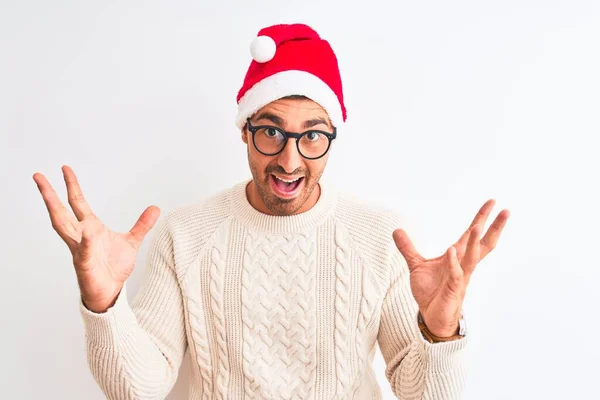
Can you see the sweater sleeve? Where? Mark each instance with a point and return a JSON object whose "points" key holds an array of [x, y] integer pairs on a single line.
{"points": [[135, 351], [415, 368]]}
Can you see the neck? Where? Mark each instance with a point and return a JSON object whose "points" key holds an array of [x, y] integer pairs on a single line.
{"points": [[256, 201], [317, 211]]}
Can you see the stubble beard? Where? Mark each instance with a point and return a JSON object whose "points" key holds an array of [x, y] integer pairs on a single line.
{"points": [[275, 204]]}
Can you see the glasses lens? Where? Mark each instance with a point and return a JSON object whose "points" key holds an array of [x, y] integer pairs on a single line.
{"points": [[313, 144], [268, 140]]}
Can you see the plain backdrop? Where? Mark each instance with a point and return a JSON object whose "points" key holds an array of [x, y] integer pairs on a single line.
{"points": [[449, 104]]}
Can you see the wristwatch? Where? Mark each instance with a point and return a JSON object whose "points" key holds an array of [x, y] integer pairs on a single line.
{"points": [[431, 338]]}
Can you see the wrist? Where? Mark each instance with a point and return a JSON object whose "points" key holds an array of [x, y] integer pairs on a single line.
{"points": [[445, 333], [442, 335], [100, 306]]}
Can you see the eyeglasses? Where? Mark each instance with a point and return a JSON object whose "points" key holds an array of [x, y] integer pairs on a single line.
{"points": [[271, 140]]}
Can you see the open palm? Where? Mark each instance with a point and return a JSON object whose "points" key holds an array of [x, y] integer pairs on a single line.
{"points": [[103, 259], [439, 284]]}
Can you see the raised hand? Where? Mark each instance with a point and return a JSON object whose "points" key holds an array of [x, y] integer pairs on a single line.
{"points": [[439, 284], [103, 259]]}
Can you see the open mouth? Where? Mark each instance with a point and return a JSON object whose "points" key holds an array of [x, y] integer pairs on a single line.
{"points": [[285, 187]]}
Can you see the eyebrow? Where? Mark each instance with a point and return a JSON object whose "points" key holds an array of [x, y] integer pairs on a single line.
{"points": [[271, 117], [280, 121], [315, 121]]}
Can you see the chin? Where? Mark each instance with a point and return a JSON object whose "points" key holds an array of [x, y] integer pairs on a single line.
{"points": [[285, 198]]}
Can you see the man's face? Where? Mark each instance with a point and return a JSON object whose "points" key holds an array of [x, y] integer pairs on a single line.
{"points": [[270, 172]]}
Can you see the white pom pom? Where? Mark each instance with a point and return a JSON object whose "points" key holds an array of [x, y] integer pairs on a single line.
{"points": [[263, 49]]}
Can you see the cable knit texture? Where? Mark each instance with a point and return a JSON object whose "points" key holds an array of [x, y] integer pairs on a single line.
{"points": [[271, 307]]}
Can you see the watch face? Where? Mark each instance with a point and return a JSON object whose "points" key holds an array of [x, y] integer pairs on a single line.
{"points": [[462, 326]]}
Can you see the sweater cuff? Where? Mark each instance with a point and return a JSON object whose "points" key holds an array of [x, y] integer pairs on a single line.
{"points": [[101, 328], [443, 356]]}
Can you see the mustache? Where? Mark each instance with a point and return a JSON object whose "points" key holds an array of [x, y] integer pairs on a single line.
{"points": [[280, 171]]}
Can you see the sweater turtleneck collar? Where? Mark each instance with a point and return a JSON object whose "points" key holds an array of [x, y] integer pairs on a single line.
{"points": [[254, 219]]}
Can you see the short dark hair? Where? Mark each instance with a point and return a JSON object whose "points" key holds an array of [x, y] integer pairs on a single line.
{"points": [[295, 97]]}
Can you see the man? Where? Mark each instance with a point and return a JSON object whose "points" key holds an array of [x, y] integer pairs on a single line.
{"points": [[280, 286]]}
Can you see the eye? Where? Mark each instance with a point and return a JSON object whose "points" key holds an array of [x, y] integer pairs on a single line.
{"points": [[271, 132], [313, 136]]}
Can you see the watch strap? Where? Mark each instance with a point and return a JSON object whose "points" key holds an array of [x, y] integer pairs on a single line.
{"points": [[431, 338]]}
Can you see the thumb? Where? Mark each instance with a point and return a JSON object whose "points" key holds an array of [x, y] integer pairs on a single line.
{"points": [[454, 269], [86, 243], [144, 223], [405, 246]]}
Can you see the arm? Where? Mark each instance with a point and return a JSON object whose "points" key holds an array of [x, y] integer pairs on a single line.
{"points": [[416, 369], [135, 351]]}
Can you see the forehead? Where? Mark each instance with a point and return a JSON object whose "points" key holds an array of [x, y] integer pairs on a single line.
{"points": [[294, 109]]}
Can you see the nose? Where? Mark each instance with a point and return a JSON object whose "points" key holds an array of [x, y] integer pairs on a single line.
{"points": [[289, 159]]}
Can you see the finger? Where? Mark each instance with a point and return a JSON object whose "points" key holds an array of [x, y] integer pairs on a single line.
{"points": [[49, 195], [59, 215], [483, 213], [480, 219], [405, 246], [489, 240], [76, 200], [455, 270], [144, 223], [471, 257]]}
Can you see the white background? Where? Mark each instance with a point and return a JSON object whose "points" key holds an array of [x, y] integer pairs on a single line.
{"points": [[450, 103]]}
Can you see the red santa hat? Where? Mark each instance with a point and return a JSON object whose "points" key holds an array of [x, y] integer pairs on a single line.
{"points": [[291, 60]]}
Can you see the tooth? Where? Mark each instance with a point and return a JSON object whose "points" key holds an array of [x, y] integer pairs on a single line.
{"points": [[283, 180]]}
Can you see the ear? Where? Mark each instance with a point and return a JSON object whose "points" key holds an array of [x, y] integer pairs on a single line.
{"points": [[244, 135]]}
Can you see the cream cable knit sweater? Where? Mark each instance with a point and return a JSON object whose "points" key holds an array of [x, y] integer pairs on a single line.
{"points": [[271, 307]]}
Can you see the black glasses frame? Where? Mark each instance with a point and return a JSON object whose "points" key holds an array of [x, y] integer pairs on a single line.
{"points": [[293, 135]]}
